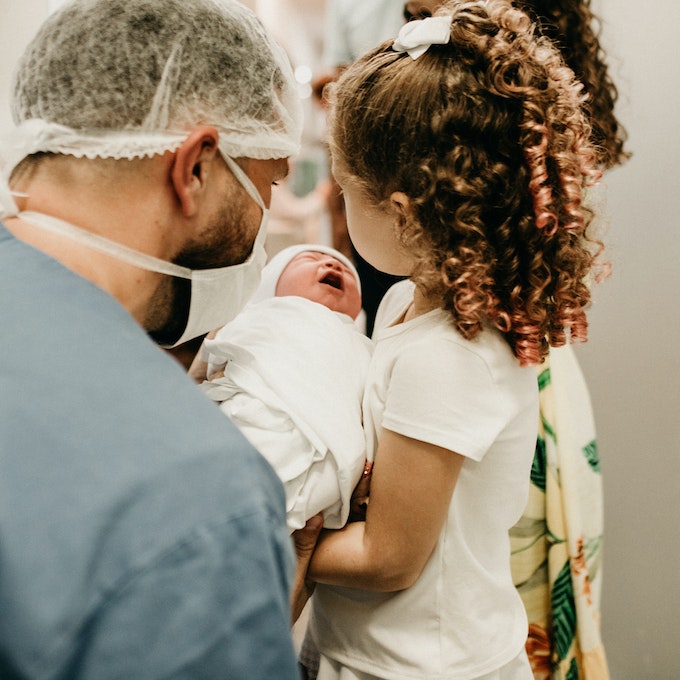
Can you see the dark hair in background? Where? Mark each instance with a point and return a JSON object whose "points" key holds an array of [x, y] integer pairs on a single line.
{"points": [[576, 30]]}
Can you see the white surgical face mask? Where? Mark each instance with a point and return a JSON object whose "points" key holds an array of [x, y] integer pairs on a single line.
{"points": [[217, 295]]}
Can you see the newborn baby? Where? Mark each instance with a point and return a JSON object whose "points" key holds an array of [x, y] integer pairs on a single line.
{"points": [[290, 372]]}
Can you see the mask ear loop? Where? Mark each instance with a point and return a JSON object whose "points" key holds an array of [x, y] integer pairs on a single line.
{"points": [[104, 245], [8, 206]]}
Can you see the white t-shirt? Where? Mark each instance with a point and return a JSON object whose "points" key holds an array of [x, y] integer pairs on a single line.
{"points": [[463, 617]]}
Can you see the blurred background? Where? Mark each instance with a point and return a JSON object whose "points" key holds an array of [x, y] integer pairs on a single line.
{"points": [[631, 362]]}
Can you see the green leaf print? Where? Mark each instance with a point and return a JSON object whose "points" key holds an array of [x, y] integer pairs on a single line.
{"points": [[538, 467], [547, 428], [544, 381], [563, 611], [572, 674], [592, 456]]}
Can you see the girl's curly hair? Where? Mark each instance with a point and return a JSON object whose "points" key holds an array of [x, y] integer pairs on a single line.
{"points": [[487, 137]]}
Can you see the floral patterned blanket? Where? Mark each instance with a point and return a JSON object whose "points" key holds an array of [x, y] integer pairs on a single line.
{"points": [[557, 545]]}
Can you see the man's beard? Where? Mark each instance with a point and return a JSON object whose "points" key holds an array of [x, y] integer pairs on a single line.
{"points": [[222, 244]]}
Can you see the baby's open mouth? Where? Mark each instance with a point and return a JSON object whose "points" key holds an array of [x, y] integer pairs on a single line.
{"points": [[333, 279]]}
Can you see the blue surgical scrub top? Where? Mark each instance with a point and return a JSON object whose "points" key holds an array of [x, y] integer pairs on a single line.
{"points": [[141, 536]]}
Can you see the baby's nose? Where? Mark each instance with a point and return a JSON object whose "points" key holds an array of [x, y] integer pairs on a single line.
{"points": [[332, 263]]}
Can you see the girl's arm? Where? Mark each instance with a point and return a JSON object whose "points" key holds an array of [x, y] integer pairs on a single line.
{"points": [[410, 497]]}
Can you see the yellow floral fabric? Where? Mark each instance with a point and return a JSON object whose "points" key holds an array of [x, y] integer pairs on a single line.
{"points": [[557, 544]]}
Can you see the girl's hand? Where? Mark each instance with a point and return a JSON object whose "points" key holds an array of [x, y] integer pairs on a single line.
{"points": [[359, 501], [199, 366]]}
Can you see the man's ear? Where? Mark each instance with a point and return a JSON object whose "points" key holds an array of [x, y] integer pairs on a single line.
{"points": [[191, 168]]}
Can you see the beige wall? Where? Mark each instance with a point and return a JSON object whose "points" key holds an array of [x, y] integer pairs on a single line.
{"points": [[18, 22], [631, 362]]}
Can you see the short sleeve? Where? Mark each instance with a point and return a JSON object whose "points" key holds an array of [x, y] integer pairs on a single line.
{"points": [[214, 606], [443, 393]]}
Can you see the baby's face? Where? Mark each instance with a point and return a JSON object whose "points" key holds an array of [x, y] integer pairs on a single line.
{"points": [[321, 278]]}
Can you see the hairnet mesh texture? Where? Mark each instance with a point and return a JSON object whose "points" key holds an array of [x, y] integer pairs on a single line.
{"points": [[161, 65]]}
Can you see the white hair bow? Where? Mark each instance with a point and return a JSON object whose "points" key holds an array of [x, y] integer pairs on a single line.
{"points": [[415, 37]]}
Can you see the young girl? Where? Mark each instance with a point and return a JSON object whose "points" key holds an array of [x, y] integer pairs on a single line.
{"points": [[463, 154], [557, 543]]}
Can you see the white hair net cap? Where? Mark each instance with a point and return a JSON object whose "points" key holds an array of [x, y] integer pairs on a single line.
{"points": [[131, 78], [274, 268]]}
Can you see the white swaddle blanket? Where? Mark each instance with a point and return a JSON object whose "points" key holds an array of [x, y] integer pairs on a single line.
{"points": [[294, 385]]}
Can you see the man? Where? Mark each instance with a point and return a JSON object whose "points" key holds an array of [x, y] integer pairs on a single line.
{"points": [[142, 537]]}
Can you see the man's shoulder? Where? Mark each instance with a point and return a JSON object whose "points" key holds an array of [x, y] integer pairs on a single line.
{"points": [[120, 477], [113, 461]]}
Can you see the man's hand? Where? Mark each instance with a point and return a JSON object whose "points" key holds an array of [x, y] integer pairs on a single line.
{"points": [[199, 366], [305, 542]]}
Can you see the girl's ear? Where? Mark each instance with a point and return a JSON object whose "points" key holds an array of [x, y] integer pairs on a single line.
{"points": [[194, 160], [401, 203]]}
